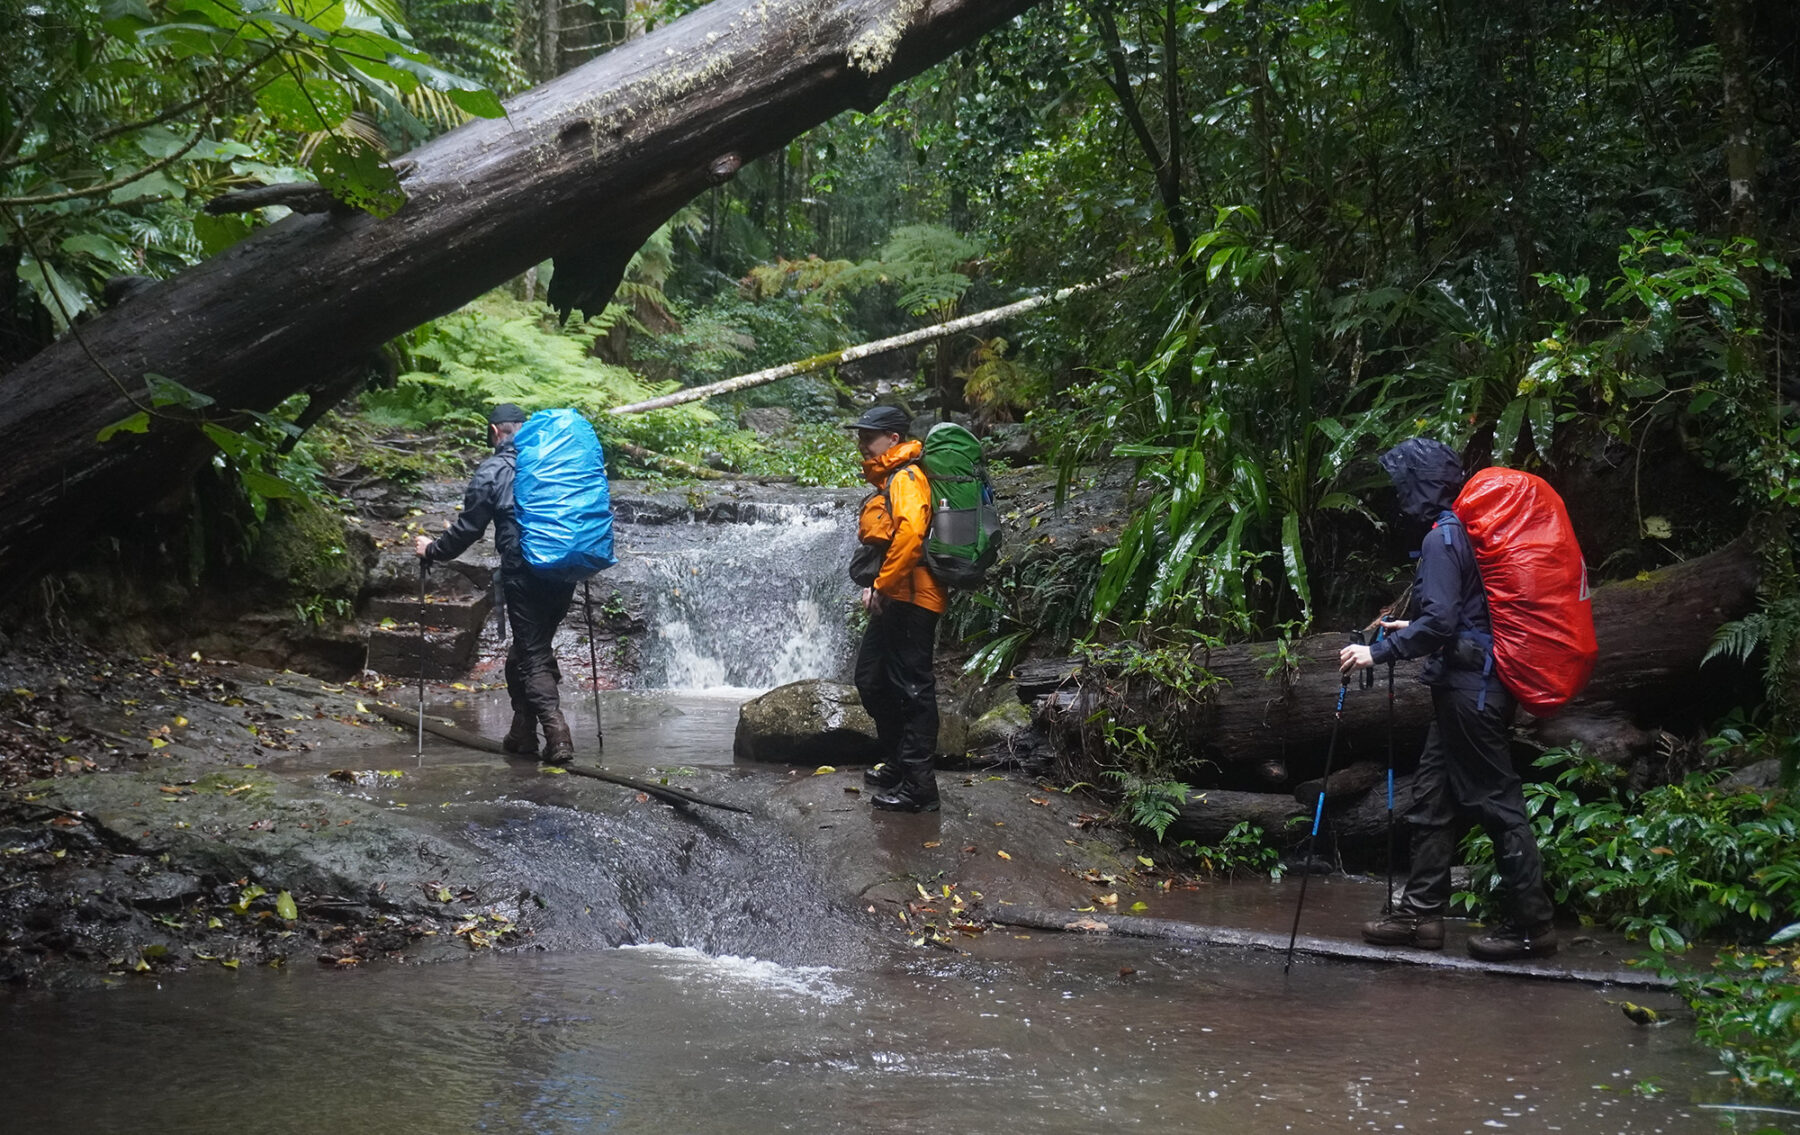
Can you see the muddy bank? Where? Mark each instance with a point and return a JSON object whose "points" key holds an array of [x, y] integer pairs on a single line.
{"points": [[206, 813]]}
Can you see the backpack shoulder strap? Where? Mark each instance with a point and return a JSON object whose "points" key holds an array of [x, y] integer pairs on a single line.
{"points": [[1445, 520]]}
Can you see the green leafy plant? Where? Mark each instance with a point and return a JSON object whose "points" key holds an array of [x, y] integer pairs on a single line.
{"points": [[1747, 1006], [1244, 851], [1669, 865], [1148, 804]]}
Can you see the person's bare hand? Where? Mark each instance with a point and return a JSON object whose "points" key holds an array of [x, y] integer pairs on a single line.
{"points": [[1354, 657], [422, 546]]}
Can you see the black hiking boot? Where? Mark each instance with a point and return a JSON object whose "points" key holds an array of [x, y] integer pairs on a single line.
{"points": [[883, 777], [1420, 931], [559, 744], [521, 739], [909, 796], [1506, 942]]}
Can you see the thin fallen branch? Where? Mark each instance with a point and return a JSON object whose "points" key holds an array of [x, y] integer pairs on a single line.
{"points": [[863, 350], [677, 797], [651, 458]]}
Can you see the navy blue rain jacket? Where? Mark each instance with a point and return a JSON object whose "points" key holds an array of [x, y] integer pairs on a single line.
{"points": [[1448, 600]]}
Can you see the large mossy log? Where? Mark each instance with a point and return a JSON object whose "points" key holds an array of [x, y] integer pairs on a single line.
{"points": [[582, 169], [1262, 729]]}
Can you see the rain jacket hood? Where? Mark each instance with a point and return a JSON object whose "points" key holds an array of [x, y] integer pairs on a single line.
{"points": [[1428, 475]]}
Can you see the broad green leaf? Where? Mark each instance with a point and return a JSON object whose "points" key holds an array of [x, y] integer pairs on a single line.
{"points": [[1294, 561], [60, 298], [356, 175], [165, 391], [269, 486], [136, 424], [216, 234], [285, 907], [316, 104], [480, 103]]}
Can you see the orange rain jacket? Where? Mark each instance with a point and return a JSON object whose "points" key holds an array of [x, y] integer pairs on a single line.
{"points": [[903, 573]]}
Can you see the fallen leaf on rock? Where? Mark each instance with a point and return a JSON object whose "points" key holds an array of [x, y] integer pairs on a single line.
{"points": [[1107, 900], [852, 790], [933, 842], [1039, 802], [1137, 906], [824, 769], [969, 850], [1002, 855], [1090, 924]]}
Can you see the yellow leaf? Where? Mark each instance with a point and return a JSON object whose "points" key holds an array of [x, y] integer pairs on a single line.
{"points": [[361, 708], [1107, 900], [158, 743], [195, 656], [1137, 906], [458, 686], [1146, 861], [1002, 855], [553, 770], [181, 722], [933, 843], [823, 769]]}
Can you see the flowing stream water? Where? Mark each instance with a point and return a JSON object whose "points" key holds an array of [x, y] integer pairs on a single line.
{"points": [[1024, 1032]]}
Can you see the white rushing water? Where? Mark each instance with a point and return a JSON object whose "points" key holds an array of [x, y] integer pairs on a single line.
{"points": [[751, 605]]}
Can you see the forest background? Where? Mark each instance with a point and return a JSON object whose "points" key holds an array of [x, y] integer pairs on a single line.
{"points": [[1554, 234]]}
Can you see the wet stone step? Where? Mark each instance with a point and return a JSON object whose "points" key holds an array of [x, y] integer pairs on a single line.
{"points": [[454, 612], [447, 654]]}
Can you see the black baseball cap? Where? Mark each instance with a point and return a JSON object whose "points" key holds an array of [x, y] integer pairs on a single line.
{"points": [[506, 412], [885, 419]]}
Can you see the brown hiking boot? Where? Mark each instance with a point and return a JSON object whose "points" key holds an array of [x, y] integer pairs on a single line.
{"points": [[1506, 942], [559, 745], [1420, 931], [521, 739]]}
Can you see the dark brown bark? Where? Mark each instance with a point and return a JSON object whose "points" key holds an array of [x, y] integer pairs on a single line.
{"points": [[584, 167], [1653, 633]]}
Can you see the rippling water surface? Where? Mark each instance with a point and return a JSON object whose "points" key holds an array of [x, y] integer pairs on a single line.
{"points": [[1039, 1034]]}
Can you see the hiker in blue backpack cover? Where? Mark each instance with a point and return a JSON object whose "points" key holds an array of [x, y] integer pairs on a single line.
{"points": [[1467, 764], [535, 606]]}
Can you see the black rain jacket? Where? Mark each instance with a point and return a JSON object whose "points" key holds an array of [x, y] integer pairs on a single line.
{"points": [[1448, 600], [488, 499]]}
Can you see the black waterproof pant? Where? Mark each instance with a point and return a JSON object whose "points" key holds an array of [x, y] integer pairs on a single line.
{"points": [[1467, 767], [894, 678], [535, 607]]}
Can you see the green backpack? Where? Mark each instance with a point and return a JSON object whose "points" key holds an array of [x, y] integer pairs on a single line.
{"points": [[964, 540]]}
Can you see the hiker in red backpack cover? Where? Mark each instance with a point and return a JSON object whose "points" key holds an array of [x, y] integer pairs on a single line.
{"points": [[1466, 764]]}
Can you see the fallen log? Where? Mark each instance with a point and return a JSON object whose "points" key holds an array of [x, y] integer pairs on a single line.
{"points": [[1653, 632], [1335, 949], [675, 797], [581, 169]]}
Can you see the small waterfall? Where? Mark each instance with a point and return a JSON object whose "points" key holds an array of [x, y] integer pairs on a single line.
{"points": [[752, 604]]}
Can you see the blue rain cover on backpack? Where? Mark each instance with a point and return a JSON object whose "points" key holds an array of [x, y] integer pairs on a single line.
{"points": [[560, 496]]}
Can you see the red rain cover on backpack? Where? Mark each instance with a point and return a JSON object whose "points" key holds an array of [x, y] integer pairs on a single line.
{"points": [[1536, 582]]}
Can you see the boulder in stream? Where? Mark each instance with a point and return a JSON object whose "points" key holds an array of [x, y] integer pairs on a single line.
{"points": [[814, 722]]}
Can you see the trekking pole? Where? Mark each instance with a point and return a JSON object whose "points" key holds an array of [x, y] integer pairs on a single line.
{"points": [[587, 609], [422, 564], [1387, 906], [1318, 817]]}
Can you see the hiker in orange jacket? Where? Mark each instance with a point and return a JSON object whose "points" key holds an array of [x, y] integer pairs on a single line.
{"points": [[893, 664]]}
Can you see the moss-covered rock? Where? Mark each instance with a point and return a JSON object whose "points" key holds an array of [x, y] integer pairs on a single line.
{"points": [[308, 547]]}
